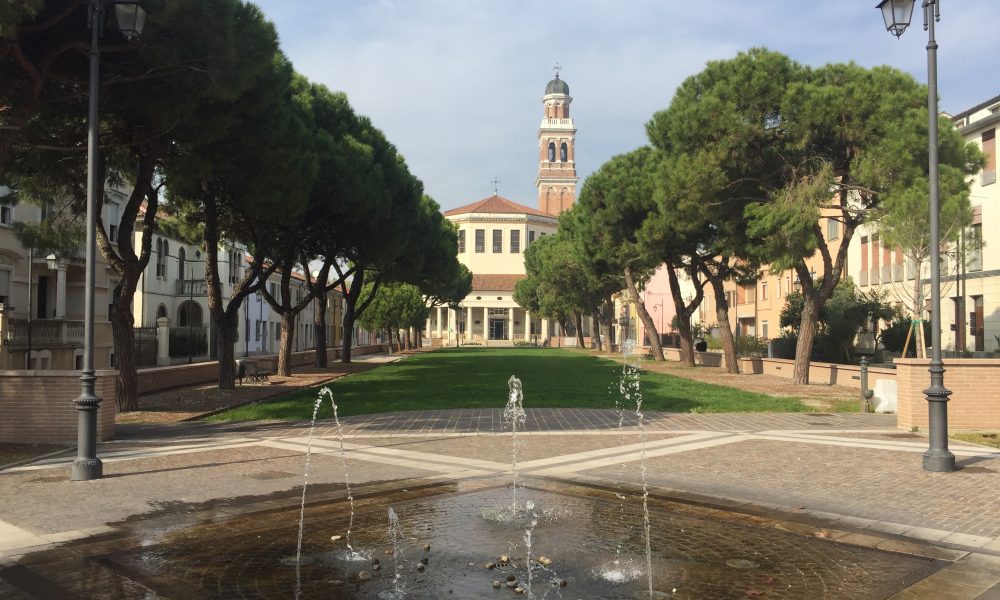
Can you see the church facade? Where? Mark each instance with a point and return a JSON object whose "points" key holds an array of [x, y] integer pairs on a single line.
{"points": [[494, 232]]}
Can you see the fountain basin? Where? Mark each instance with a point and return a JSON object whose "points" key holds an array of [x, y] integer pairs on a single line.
{"points": [[696, 552]]}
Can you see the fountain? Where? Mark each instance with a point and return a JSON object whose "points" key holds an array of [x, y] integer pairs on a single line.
{"points": [[514, 417], [705, 555]]}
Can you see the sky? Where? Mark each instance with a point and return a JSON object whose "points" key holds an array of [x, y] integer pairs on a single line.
{"points": [[457, 85]]}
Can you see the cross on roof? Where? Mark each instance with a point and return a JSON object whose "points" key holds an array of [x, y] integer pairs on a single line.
{"points": [[557, 68], [496, 185]]}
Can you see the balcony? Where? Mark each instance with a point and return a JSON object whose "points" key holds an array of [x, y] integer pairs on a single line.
{"points": [[897, 272], [987, 178], [192, 287], [746, 310], [873, 276], [44, 333], [863, 277]]}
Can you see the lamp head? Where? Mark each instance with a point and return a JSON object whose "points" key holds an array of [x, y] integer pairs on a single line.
{"points": [[896, 14], [130, 16]]}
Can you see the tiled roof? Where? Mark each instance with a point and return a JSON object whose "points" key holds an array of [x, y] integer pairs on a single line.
{"points": [[497, 204], [495, 283]]}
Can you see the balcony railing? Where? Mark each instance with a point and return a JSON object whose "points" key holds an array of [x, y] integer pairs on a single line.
{"points": [[864, 276], [897, 272], [873, 276], [886, 273], [987, 178], [44, 332], [745, 310], [192, 287]]}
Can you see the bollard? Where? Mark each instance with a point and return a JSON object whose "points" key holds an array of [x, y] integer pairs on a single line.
{"points": [[866, 394]]}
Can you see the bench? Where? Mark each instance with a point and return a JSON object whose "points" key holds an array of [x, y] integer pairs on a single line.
{"points": [[252, 375]]}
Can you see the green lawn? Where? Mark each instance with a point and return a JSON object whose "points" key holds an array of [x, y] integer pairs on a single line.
{"points": [[477, 378]]}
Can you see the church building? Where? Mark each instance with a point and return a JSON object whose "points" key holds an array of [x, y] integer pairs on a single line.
{"points": [[494, 232]]}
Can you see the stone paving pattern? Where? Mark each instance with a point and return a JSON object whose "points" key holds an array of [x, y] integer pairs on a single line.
{"points": [[852, 475]]}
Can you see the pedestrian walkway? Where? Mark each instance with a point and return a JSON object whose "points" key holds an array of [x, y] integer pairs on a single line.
{"points": [[853, 476]]}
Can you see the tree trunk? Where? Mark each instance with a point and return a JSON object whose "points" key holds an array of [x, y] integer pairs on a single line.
{"points": [[285, 345], [409, 339], [608, 319], [683, 317], [595, 340], [579, 329], [320, 333], [350, 305], [730, 361], [807, 334], [127, 382], [348, 334], [918, 294], [227, 327], [656, 349]]}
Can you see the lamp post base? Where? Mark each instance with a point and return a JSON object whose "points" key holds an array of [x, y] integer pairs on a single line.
{"points": [[939, 461], [85, 469]]}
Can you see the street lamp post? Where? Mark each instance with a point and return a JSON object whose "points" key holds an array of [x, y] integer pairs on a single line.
{"points": [[896, 14], [87, 466], [190, 312]]}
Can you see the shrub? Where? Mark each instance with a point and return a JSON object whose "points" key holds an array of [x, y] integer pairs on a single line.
{"points": [[184, 342], [784, 346], [748, 345]]}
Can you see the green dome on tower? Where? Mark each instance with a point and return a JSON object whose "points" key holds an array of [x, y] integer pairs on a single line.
{"points": [[557, 86]]}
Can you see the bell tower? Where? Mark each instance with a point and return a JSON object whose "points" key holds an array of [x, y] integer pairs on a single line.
{"points": [[557, 178]]}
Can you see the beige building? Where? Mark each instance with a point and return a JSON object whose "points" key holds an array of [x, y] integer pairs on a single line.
{"points": [[970, 271], [755, 306], [492, 236], [494, 232], [42, 297]]}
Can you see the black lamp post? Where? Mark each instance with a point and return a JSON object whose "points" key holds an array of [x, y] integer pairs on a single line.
{"points": [[897, 15], [131, 17]]}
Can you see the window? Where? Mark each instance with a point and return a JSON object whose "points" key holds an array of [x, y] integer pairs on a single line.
{"points": [[990, 150], [763, 290], [234, 266], [161, 259], [461, 241], [114, 219], [6, 211], [552, 152], [515, 241], [563, 152], [974, 245], [480, 240], [497, 241], [257, 330], [832, 229], [181, 254], [4, 286], [763, 329], [531, 237], [166, 253], [277, 331]]}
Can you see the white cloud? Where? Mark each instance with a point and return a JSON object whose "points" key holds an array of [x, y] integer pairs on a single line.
{"points": [[457, 86]]}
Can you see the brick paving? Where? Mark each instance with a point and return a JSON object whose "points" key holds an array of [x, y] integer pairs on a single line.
{"points": [[849, 473]]}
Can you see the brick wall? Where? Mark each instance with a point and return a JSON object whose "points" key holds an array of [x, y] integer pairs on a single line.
{"points": [[157, 379], [975, 392], [37, 406], [828, 373]]}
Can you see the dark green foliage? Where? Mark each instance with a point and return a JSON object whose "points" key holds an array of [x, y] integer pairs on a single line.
{"points": [[395, 306], [841, 318], [188, 342], [894, 336]]}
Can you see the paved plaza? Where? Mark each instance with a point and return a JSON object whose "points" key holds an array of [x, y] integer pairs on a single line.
{"points": [[851, 480]]}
